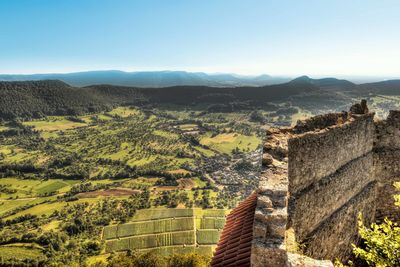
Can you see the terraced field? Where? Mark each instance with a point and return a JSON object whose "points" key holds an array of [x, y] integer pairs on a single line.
{"points": [[167, 231]]}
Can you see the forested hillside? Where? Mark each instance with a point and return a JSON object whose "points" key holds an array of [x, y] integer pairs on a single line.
{"points": [[39, 98], [35, 99]]}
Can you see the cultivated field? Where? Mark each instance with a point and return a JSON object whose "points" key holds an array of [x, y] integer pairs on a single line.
{"points": [[166, 230]]}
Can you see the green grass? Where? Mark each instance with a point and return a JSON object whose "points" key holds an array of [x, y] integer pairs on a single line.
{"points": [[156, 214], [54, 124], [28, 188], [51, 186], [207, 237], [210, 223], [205, 152], [188, 127], [151, 241], [97, 259], [148, 227], [53, 225], [169, 135], [202, 250], [210, 213], [48, 135], [124, 112], [9, 205], [20, 252], [225, 143], [41, 209], [301, 115], [162, 229], [3, 128]]}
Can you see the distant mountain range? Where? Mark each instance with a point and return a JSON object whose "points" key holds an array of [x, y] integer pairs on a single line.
{"points": [[32, 99], [149, 78]]}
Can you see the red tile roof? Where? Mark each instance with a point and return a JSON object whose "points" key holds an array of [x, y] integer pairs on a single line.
{"points": [[234, 246]]}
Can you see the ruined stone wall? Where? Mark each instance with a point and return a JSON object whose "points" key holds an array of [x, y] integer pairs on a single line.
{"points": [[268, 247], [387, 165], [331, 179], [317, 177]]}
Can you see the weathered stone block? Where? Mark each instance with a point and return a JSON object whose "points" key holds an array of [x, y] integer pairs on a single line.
{"points": [[268, 255], [309, 207], [297, 260], [333, 237]]}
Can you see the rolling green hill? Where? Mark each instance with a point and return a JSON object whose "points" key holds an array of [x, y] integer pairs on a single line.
{"points": [[34, 99]]}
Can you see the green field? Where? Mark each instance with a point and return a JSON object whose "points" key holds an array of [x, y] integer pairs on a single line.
{"points": [[54, 124], [28, 188], [199, 249], [20, 252], [148, 227], [156, 214], [39, 210], [225, 143], [207, 236], [151, 241], [210, 223], [174, 229]]}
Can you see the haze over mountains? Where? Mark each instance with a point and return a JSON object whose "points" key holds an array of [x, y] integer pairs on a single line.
{"points": [[30, 99], [149, 78]]}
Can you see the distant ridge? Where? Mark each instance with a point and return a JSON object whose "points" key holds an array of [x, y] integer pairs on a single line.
{"points": [[327, 83], [149, 78], [32, 99]]}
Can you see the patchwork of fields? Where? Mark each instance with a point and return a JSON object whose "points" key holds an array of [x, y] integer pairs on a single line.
{"points": [[135, 178], [167, 230]]}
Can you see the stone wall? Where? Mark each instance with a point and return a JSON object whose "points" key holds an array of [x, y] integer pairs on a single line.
{"points": [[317, 177], [387, 165], [331, 179], [269, 246]]}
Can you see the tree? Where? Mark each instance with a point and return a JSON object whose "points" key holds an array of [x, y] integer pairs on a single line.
{"points": [[257, 116]]}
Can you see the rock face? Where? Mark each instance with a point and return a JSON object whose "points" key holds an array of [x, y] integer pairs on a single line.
{"points": [[317, 177]]}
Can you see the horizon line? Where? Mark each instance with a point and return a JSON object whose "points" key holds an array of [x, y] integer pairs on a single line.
{"points": [[208, 73]]}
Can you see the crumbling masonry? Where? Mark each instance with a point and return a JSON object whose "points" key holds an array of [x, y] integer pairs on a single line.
{"points": [[317, 177]]}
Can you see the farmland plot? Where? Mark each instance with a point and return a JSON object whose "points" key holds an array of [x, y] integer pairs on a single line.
{"points": [[167, 231]]}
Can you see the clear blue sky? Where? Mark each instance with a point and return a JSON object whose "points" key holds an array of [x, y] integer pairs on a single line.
{"points": [[341, 37]]}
